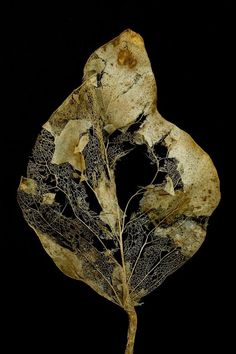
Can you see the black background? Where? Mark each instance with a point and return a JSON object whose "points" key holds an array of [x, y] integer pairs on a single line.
{"points": [[190, 49]]}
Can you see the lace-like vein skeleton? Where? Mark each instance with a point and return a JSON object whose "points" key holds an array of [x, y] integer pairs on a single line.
{"points": [[121, 249]]}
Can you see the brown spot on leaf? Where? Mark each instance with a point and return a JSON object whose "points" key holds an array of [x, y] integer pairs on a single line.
{"points": [[125, 57], [115, 42]]}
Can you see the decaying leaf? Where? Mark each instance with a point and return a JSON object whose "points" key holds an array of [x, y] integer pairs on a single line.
{"points": [[121, 250]]}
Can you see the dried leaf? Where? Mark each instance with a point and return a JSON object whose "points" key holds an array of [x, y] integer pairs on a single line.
{"points": [[70, 195]]}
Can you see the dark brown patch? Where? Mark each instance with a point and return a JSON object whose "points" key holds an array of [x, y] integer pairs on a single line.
{"points": [[125, 57], [115, 42], [214, 179]]}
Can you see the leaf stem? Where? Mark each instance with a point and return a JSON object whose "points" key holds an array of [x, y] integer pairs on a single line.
{"points": [[133, 321]]}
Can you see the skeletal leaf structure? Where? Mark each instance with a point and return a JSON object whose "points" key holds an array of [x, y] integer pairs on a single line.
{"points": [[69, 196]]}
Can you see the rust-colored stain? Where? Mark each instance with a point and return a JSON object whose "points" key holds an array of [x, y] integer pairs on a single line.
{"points": [[125, 57]]}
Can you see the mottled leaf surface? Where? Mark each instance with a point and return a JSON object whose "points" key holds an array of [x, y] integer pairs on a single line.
{"points": [[73, 196]]}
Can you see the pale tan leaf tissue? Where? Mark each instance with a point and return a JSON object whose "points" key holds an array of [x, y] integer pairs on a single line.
{"points": [[122, 253]]}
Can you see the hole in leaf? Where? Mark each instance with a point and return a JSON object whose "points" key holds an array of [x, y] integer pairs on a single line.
{"points": [[117, 256], [114, 135], [136, 125], [160, 178], [92, 199], [66, 208], [133, 171], [105, 244], [160, 150], [51, 181]]}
